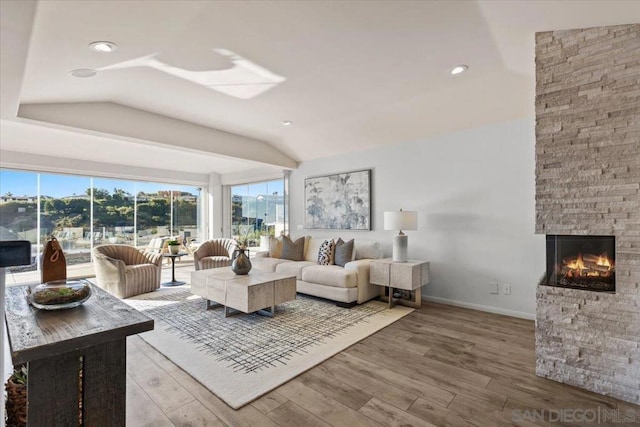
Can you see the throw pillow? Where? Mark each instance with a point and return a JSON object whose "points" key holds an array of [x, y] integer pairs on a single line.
{"points": [[343, 252], [275, 247], [293, 251], [325, 253], [367, 249]]}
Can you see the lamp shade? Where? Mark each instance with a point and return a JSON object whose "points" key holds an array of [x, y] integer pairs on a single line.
{"points": [[401, 220]]}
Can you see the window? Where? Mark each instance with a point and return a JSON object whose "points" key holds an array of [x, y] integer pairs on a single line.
{"points": [[19, 210], [185, 208], [82, 212], [114, 212], [65, 213], [257, 211]]}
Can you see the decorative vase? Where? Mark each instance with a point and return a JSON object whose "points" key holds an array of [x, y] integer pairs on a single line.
{"points": [[241, 264], [174, 249]]}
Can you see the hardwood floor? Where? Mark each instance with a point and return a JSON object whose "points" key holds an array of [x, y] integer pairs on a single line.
{"points": [[440, 365]]}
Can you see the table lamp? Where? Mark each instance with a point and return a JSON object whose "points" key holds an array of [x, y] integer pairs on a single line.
{"points": [[400, 220]]}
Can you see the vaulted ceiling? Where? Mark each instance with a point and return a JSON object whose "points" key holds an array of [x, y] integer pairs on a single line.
{"points": [[212, 81]]}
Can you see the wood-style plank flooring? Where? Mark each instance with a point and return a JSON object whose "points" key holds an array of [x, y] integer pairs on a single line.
{"points": [[441, 365]]}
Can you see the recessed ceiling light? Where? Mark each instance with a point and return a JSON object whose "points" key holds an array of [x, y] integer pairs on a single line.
{"points": [[83, 73], [459, 69], [104, 47], [287, 123]]}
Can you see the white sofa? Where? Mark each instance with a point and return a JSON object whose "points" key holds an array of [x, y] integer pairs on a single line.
{"points": [[345, 285]]}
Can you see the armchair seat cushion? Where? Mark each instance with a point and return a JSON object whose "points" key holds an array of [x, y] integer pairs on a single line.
{"points": [[140, 273], [330, 275]]}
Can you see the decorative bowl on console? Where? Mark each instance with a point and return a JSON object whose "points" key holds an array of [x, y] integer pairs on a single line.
{"points": [[60, 294]]}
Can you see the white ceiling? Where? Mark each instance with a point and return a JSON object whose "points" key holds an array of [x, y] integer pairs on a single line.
{"points": [[358, 74]]}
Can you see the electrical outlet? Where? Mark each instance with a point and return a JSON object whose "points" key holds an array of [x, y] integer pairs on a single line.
{"points": [[493, 288], [506, 289]]}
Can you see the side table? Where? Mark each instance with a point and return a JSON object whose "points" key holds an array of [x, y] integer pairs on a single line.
{"points": [[56, 345], [173, 257], [410, 276]]}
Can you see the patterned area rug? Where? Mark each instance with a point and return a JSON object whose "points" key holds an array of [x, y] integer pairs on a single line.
{"points": [[242, 357]]}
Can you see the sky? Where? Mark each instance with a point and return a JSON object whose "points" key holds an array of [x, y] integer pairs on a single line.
{"points": [[20, 183]]}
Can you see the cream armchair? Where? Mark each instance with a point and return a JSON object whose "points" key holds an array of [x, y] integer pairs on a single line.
{"points": [[214, 253], [124, 271]]}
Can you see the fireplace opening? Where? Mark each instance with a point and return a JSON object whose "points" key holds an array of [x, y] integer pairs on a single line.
{"points": [[581, 262]]}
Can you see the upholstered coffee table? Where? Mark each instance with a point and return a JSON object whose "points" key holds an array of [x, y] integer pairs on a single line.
{"points": [[254, 292]]}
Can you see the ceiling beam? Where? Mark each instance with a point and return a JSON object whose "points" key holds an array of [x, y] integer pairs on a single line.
{"points": [[117, 120], [16, 21]]}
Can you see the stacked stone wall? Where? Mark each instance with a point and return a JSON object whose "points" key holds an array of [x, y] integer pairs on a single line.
{"points": [[588, 183]]}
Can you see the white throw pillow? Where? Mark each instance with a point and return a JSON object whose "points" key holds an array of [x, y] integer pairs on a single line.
{"points": [[367, 249]]}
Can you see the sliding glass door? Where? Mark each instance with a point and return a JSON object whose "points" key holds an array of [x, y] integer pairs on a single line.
{"points": [[65, 213], [257, 211], [82, 212], [19, 211]]}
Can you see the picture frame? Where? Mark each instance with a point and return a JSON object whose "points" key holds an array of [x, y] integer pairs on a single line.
{"points": [[340, 201]]}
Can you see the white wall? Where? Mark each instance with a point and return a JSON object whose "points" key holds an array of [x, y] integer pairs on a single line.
{"points": [[474, 191], [216, 206]]}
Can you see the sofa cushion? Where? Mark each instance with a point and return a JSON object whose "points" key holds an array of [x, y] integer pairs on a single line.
{"points": [[343, 252], [293, 268], [293, 251], [275, 247], [266, 263], [330, 275], [326, 252]]}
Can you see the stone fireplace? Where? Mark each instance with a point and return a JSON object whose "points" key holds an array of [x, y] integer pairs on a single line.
{"points": [[581, 262], [588, 184]]}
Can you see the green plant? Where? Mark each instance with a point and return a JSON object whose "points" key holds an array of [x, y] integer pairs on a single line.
{"points": [[173, 243], [19, 375], [243, 239], [16, 404]]}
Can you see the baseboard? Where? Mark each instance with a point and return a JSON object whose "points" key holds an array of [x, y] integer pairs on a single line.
{"points": [[487, 308]]}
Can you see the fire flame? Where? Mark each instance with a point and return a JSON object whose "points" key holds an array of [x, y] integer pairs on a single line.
{"points": [[580, 268], [578, 264]]}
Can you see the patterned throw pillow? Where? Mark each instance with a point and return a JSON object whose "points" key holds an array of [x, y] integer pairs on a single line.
{"points": [[325, 254], [343, 252], [293, 251]]}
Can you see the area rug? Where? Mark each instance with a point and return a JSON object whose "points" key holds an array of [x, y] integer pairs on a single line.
{"points": [[242, 357]]}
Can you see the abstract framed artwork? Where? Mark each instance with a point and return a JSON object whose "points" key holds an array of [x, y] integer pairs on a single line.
{"points": [[338, 202]]}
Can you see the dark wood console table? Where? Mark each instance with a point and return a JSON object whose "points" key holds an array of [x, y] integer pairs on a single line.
{"points": [[57, 344]]}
